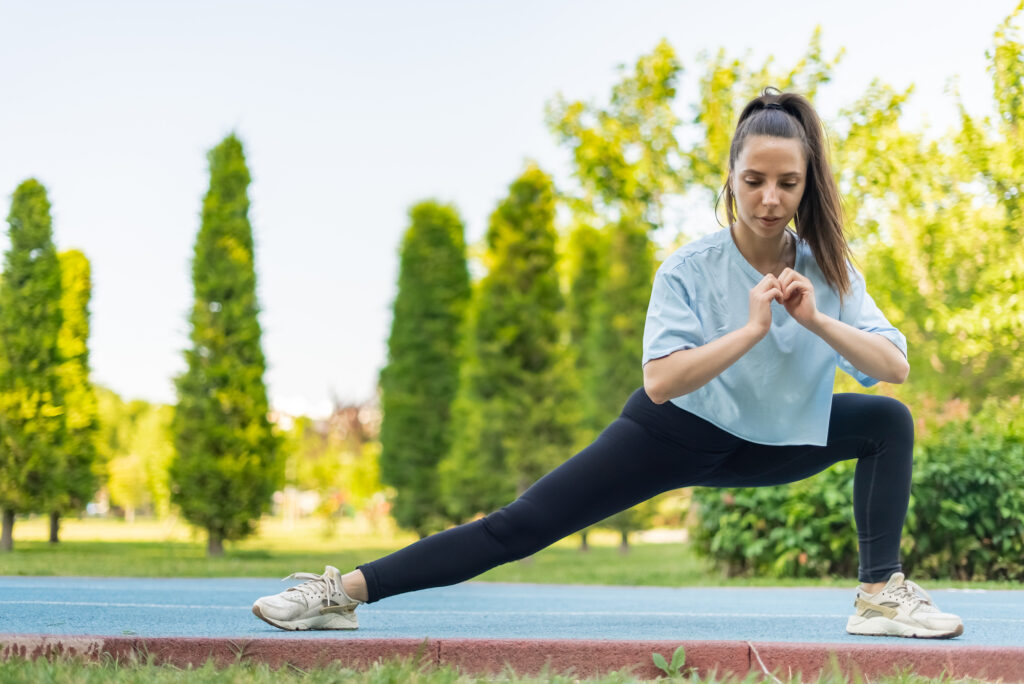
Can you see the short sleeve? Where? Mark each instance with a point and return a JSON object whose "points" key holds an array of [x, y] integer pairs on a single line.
{"points": [[860, 311], [671, 324]]}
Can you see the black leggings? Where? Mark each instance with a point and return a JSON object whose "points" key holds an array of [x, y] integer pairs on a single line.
{"points": [[653, 448]]}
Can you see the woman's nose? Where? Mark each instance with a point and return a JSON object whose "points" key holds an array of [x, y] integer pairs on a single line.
{"points": [[770, 197]]}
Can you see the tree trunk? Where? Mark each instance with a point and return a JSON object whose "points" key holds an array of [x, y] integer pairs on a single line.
{"points": [[54, 527], [584, 546], [216, 545], [624, 546], [7, 537]]}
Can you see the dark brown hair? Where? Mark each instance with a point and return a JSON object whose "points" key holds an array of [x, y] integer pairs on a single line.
{"points": [[819, 218]]}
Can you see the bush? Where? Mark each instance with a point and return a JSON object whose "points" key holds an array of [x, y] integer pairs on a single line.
{"points": [[804, 529], [966, 516], [967, 512]]}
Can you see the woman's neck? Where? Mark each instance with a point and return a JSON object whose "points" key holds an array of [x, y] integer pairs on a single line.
{"points": [[767, 255]]}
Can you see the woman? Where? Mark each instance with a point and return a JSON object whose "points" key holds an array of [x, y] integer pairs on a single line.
{"points": [[744, 332]]}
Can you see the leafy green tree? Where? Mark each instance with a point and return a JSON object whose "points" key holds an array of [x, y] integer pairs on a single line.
{"points": [[138, 452], [419, 383], [76, 471], [513, 413], [627, 158], [338, 459], [134, 453], [937, 227], [227, 464], [32, 422], [152, 439], [126, 474]]}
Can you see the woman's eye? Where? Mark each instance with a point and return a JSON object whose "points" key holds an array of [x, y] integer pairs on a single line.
{"points": [[785, 185]]}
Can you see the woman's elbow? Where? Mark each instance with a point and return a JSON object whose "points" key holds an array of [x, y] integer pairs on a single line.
{"points": [[902, 372], [654, 390]]}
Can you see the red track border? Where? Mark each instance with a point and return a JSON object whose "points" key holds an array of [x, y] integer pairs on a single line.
{"points": [[529, 656]]}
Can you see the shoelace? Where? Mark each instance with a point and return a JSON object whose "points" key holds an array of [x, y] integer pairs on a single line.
{"points": [[314, 586], [918, 597]]}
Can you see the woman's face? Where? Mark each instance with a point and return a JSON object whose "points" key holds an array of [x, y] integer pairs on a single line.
{"points": [[768, 182]]}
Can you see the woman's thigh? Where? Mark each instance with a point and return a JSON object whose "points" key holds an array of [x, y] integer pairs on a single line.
{"points": [[859, 425], [646, 451]]}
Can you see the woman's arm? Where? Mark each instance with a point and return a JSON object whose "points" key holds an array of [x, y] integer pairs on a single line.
{"points": [[684, 371], [868, 352]]}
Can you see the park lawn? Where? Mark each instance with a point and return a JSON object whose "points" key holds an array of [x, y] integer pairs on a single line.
{"points": [[111, 548]]}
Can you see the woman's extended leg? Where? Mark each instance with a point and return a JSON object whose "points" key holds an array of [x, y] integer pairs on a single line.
{"points": [[649, 449], [879, 432]]}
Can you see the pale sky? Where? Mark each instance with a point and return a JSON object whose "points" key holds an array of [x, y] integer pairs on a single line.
{"points": [[351, 112]]}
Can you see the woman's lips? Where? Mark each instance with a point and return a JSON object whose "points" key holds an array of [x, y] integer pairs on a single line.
{"points": [[771, 221]]}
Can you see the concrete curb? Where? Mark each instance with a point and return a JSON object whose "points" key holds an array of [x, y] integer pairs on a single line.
{"points": [[529, 656]]}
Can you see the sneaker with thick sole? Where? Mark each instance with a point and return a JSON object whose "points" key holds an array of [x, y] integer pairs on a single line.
{"points": [[318, 603], [902, 609]]}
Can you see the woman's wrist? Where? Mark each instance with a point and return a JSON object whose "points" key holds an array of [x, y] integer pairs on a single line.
{"points": [[754, 331], [817, 323]]}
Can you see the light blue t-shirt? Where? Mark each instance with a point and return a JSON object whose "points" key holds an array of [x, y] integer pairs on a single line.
{"points": [[780, 391]]}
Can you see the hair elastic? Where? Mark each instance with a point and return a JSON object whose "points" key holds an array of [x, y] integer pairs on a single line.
{"points": [[774, 105]]}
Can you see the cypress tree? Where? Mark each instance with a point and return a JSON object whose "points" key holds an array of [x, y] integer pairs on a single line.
{"points": [[31, 402], [586, 255], [227, 465], [419, 382], [614, 339], [514, 411], [75, 472]]}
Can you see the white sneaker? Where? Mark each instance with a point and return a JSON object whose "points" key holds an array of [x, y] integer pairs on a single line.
{"points": [[318, 603], [902, 609]]}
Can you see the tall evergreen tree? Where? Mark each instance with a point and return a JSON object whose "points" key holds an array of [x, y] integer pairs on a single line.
{"points": [[76, 470], [31, 399], [419, 382], [585, 255], [227, 464], [613, 341], [513, 416]]}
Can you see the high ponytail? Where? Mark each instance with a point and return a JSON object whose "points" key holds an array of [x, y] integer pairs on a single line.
{"points": [[819, 218]]}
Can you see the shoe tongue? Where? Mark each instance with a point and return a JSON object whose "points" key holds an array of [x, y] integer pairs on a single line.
{"points": [[333, 573], [897, 579]]}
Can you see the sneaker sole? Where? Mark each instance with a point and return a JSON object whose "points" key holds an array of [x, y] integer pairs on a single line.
{"points": [[880, 626], [347, 620]]}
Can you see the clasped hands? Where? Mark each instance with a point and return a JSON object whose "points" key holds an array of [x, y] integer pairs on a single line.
{"points": [[792, 290]]}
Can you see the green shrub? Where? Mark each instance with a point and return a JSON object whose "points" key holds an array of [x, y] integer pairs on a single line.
{"points": [[804, 529], [967, 511], [966, 516]]}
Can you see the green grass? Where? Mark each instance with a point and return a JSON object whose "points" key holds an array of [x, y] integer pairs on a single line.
{"points": [[61, 671], [157, 549]]}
